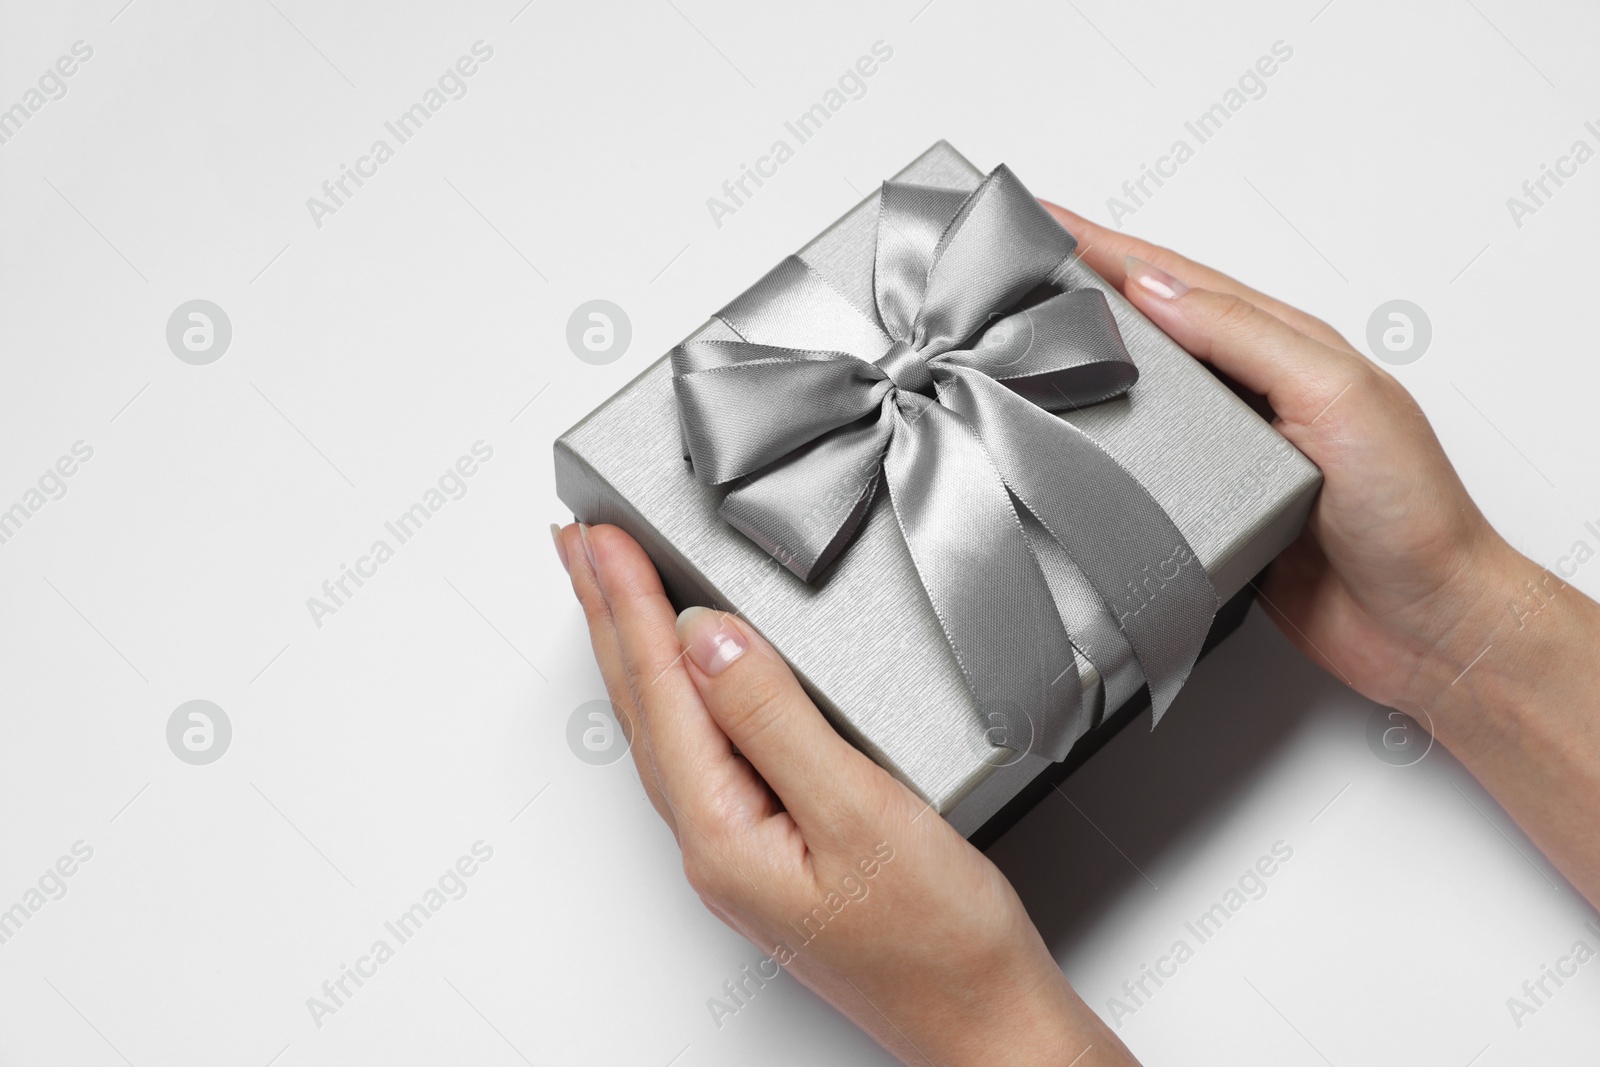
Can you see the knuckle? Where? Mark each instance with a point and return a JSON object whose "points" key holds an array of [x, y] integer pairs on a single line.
{"points": [[759, 706], [696, 872], [1231, 313], [1369, 377], [852, 807], [842, 816], [1392, 393], [1324, 326], [707, 875]]}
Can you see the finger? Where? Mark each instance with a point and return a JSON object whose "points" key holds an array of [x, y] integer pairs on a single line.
{"points": [[757, 701], [608, 655], [702, 780], [1300, 377], [1107, 250]]}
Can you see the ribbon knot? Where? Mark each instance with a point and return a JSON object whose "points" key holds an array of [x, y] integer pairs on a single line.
{"points": [[1029, 539], [907, 368]]}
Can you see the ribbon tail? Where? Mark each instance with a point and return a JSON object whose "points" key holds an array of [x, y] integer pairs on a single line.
{"points": [[984, 583], [1146, 573], [1092, 628]]}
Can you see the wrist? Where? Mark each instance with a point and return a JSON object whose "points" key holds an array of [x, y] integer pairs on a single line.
{"points": [[1524, 636], [1038, 1020], [1465, 616]]}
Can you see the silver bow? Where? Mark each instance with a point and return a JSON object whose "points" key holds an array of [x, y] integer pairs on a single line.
{"points": [[1027, 536]]}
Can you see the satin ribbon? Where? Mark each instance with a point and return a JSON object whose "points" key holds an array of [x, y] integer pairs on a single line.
{"points": [[1029, 538]]}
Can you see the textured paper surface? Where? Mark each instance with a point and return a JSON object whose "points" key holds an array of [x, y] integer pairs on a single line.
{"points": [[1236, 489]]}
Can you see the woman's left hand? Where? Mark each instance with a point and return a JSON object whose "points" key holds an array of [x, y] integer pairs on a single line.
{"points": [[807, 848]]}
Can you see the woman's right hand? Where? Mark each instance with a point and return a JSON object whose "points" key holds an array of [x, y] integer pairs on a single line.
{"points": [[1386, 584], [1398, 584]]}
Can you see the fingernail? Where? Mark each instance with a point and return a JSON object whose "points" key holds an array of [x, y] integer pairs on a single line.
{"points": [[561, 549], [711, 640], [1153, 279], [588, 548]]}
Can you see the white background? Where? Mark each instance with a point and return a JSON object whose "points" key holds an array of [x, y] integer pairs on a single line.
{"points": [[430, 313]]}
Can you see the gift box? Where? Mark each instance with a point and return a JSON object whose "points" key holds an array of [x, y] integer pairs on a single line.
{"points": [[910, 607]]}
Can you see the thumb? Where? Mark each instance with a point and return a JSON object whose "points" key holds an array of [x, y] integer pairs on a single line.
{"points": [[1298, 376], [757, 701]]}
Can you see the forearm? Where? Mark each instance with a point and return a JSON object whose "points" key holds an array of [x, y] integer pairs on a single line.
{"points": [[1071, 1035], [1517, 700], [1082, 1039], [1043, 1024]]}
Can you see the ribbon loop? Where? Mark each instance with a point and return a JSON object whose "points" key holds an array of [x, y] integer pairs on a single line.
{"points": [[1001, 245], [911, 219], [1061, 354], [743, 406], [804, 509]]}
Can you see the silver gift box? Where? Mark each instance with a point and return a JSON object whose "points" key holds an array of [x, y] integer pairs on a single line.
{"points": [[863, 638]]}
